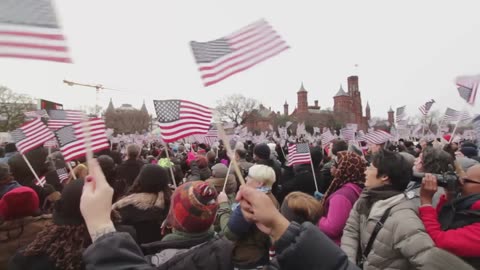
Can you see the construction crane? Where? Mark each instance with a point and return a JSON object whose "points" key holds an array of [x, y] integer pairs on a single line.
{"points": [[97, 87]]}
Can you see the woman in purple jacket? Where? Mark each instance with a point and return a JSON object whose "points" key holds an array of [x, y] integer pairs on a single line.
{"points": [[341, 195]]}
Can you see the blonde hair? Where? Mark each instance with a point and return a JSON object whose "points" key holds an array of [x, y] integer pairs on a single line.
{"points": [[262, 174], [302, 206]]}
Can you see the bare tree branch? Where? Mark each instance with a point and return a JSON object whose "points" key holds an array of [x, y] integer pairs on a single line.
{"points": [[233, 107]]}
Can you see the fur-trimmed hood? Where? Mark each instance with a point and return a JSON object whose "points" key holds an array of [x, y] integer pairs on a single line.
{"points": [[142, 201]]}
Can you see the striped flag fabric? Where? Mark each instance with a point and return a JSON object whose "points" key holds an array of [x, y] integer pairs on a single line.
{"points": [[36, 114], [425, 108], [400, 114], [51, 143], [211, 136], [221, 58], [347, 134], [71, 139], [468, 87], [326, 137], [476, 127], [62, 174], [178, 119], [298, 154], [378, 137], [60, 118], [452, 115], [29, 29], [31, 135]]}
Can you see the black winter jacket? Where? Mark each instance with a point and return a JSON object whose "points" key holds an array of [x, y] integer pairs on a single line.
{"points": [[301, 247]]}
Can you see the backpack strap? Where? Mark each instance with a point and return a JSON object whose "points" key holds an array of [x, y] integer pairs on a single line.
{"points": [[376, 230]]}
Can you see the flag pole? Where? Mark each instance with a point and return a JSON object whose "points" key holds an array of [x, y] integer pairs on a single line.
{"points": [[226, 177], [223, 136], [170, 167], [71, 171], [31, 169]]}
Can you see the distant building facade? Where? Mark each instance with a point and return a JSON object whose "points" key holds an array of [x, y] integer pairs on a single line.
{"points": [[126, 119]]}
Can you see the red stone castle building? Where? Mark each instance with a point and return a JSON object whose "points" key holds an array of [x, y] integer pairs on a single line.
{"points": [[347, 108]]}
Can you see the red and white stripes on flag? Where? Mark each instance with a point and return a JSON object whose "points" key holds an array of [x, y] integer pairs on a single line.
{"points": [[221, 58], [468, 87], [31, 135], [298, 154], [71, 138], [60, 118], [425, 108], [211, 136], [41, 182], [452, 115], [178, 119], [29, 29], [377, 137], [347, 134], [326, 137]]}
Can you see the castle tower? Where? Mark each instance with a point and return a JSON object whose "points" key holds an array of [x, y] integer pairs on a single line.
{"points": [[391, 116], [110, 108], [354, 92], [302, 100], [285, 108], [144, 108], [342, 102], [367, 111]]}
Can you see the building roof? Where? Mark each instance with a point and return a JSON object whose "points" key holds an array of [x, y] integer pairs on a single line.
{"points": [[302, 89], [368, 106], [390, 109], [341, 92]]}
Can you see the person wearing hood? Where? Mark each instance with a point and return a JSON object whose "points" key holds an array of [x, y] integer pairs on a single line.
{"points": [[146, 206], [401, 241], [130, 168]]}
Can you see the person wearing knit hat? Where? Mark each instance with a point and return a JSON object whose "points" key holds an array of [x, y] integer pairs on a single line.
{"points": [[261, 155], [20, 221], [192, 212], [261, 151], [60, 245]]}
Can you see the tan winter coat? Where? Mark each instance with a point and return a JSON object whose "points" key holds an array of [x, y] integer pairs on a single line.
{"points": [[402, 243]]}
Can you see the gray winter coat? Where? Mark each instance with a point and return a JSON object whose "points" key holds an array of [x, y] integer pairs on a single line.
{"points": [[402, 243]]}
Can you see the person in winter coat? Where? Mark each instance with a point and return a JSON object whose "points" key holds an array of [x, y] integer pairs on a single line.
{"points": [[217, 181], [303, 179], [251, 245], [60, 245], [342, 194], [130, 168], [192, 243], [199, 169], [6, 180], [146, 206], [455, 224], [401, 243], [297, 245], [20, 221], [326, 171]]}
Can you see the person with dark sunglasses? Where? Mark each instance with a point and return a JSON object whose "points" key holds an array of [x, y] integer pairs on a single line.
{"points": [[455, 224]]}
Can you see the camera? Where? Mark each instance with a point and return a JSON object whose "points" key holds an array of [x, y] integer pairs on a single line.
{"points": [[448, 180]]}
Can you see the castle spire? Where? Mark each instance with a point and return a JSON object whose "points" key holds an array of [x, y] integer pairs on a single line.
{"points": [[302, 89], [144, 108], [110, 107], [341, 92]]}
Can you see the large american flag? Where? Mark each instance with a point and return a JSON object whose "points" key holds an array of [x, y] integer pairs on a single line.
{"points": [[36, 114], [468, 87], [425, 108], [298, 154], [377, 137], [60, 118], [71, 139], [29, 29], [221, 58], [178, 119], [31, 135]]}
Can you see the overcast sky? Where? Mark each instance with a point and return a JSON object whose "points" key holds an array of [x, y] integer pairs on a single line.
{"points": [[407, 52]]}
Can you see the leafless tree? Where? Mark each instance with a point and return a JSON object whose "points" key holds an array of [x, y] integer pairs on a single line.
{"points": [[233, 107], [12, 108]]}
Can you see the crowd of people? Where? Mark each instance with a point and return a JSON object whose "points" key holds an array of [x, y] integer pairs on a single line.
{"points": [[401, 205]]}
